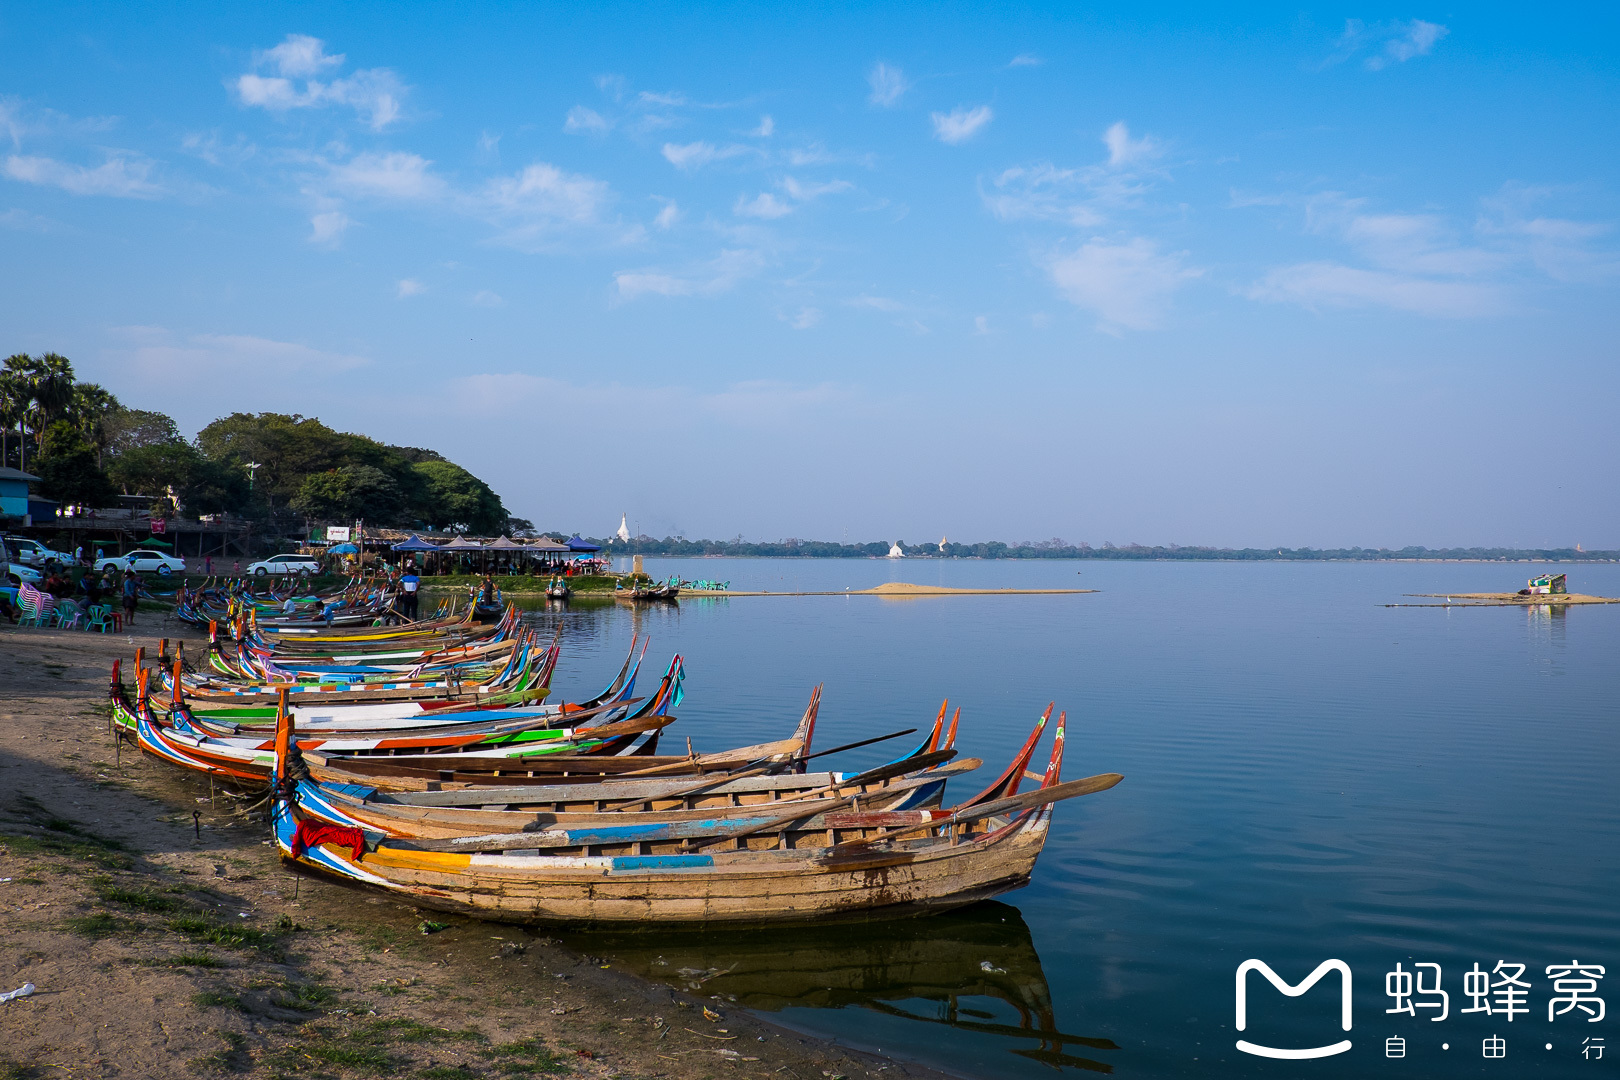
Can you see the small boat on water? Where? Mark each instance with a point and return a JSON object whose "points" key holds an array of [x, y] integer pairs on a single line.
{"points": [[557, 589], [665, 591]]}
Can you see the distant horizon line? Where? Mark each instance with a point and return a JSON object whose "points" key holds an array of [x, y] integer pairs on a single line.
{"points": [[1056, 549]]}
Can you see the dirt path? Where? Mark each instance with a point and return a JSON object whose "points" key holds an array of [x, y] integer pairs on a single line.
{"points": [[165, 939]]}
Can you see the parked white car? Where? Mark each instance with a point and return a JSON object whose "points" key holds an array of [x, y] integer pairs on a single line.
{"points": [[17, 573], [143, 561], [285, 564], [35, 554]]}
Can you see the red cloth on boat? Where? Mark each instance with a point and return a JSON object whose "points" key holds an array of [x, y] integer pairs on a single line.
{"points": [[312, 833]]}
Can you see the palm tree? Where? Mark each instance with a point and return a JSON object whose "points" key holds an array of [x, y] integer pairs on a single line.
{"points": [[53, 392], [10, 412], [90, 409], [20, 374]]}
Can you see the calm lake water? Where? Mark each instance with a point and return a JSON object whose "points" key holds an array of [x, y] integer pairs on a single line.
{"points": [[1310, 775]]}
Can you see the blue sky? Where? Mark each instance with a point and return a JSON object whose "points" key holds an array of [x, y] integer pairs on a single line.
{"points": [[1295, 276]]}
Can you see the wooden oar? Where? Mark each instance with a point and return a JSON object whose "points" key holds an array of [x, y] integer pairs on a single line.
{"points": [[1039, 797], [756, 768]]}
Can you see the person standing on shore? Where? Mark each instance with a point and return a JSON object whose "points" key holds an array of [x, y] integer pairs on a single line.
{"points": [[132, 588], [410, 599], [208, 565]]}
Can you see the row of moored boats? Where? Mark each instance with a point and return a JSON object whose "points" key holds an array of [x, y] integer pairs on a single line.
{"points": [[429, 759]]}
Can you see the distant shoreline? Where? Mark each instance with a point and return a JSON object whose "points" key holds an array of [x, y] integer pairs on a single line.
{"points": [[1605, 557]]}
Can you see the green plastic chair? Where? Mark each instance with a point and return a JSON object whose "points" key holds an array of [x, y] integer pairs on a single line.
{"points": [[101, 619]]}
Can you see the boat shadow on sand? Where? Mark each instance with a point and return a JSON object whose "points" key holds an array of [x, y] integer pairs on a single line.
{"points": [[958, 961]]}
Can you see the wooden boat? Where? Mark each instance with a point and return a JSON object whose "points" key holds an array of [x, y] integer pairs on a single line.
{"points": [[323, 715], [557, 589], [664, 591], [478, 744], [868, 863], [774, 783]]}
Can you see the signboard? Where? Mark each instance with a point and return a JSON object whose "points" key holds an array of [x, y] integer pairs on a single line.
{"points": [[337, 534], [159, 526]]}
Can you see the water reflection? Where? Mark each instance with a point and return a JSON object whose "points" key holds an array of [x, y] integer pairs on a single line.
{"points": [[975, 970]]}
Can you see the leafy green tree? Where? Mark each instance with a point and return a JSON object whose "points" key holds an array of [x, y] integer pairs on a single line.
{"points": [[354, 491], [129, 429], [68, 470], [452, 497], [287, 449]]}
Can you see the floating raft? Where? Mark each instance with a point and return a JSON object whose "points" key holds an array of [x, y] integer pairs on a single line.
{"points": [[1504, 599]]}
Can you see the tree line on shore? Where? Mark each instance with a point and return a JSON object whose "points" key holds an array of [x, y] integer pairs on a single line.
{"points": [[1058, 549], [88, 448]]}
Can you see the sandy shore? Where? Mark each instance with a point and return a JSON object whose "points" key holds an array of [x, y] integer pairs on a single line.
{"points": [[1512, 599], [165, 938]]}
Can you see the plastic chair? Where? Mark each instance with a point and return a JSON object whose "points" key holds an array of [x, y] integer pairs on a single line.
{"points": [[67, 616], [101, 619], [37, 606]]}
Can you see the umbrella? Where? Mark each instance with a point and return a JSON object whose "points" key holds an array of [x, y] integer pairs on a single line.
{"points": [[504, 544], [343, 549], [546, 543], [415, 543], [461, 543], [576, 544], [154, 544]]}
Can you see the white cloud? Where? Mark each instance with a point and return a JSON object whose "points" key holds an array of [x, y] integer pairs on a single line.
{"points": [[877, 303], [1412, 39], [545, 191], [489, 143], [808, 192], [718, 275], [581, 119], [486, 299], [764, 205], [328, 227], [396, 175], [668, 215], [759, 404], [1128, 284], [1390, 43], [766, 128], [1558, 247], [299, 56], [410, 287], [155, 352], [1026, 60], [695, 155], [1123, 150], [888, 85], [981, 325], [803, 319], [669, 99], [376, 94], [960, 125], [123, 175], [1327, 284], [1084, 197], [22, 221]]}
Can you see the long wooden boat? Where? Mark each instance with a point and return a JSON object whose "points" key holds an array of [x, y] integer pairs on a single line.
{"points": [[484, 745], [775, 784], [868, 863]]}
